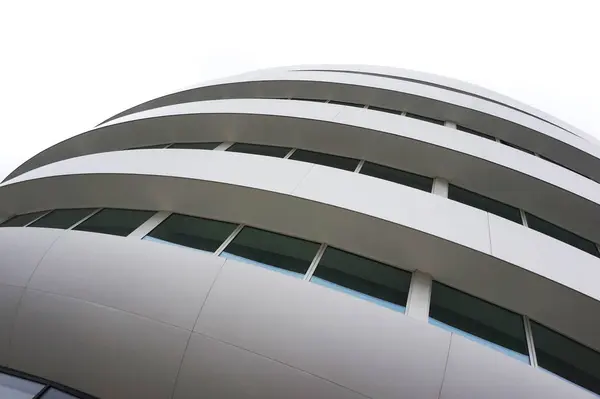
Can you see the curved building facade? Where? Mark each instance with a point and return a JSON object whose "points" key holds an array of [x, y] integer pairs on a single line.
{"points": [[308, 232]]}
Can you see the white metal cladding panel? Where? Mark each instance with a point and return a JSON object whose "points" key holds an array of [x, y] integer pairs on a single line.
{"points": [[214, 369], [130, 275], [346, 340], [322, 341], [476, 371]]}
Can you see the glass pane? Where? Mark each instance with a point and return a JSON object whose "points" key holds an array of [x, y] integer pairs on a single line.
{"points": [[517, 147], [12, 387], [56, 394], [195, 146], [316, 100], [397, 176], [118, 222], [566, 358], [267, 150], [22, 220], [479, 320], [365, 278], [272, 250], [425, 118], [475, 132], [561, 234], [193, 232], [484, 203], [62, 218], [389, 111], [149, 147], [346, 103], [325, 159]]}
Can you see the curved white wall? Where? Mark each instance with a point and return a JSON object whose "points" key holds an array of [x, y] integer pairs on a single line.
{"points": [[123, 317]]}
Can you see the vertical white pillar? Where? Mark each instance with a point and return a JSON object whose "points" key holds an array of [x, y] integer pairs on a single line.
{"points": [[440, 187], [419, 296], [449, 124], [149, 225], [223, 146]]}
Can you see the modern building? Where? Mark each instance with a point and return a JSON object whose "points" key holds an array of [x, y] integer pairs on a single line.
{"points": [[307, 232]]}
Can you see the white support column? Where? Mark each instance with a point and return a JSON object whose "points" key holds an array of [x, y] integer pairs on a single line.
{"points": [[315, 262], [440, 187], [419, 296], [359, 166], [84, 219], [290, 153], [223, 146], [523, 217], [34, 220], [449, 124], [149, 225], [228, 240], [529, 338]]}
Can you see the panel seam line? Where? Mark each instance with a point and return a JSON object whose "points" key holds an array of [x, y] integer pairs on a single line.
{"points": [[283, 363], [187, 344]]}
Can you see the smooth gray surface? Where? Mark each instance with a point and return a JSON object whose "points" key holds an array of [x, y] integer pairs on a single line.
{"points": [[21, 251], [98, 350], [475, 371], [370, 349], [10, 296], [161, 282], [213, 369], [257, 324]]}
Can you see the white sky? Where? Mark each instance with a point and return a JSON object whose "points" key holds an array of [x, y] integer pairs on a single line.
{"points": [[68, 65]]}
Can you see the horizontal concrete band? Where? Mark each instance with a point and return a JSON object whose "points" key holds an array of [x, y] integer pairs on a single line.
{"points": [[481, 254], [94, 312], [472, 112], [474, 163], [425, 86]]}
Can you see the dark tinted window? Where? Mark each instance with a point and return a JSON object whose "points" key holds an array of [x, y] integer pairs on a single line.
{"points": [[425, 118], [484, 203], [61, 218], [389, 111], [315, 100], [475, 132], [479, 320], [198, 233], [365, 278], [195, 146], [22, 220], [149, 147], [566, 358], [267, 150], [272, 250], [346, 103], [397, 176], [118, 222], [561, 234], [517, 147], [325, 159]]}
